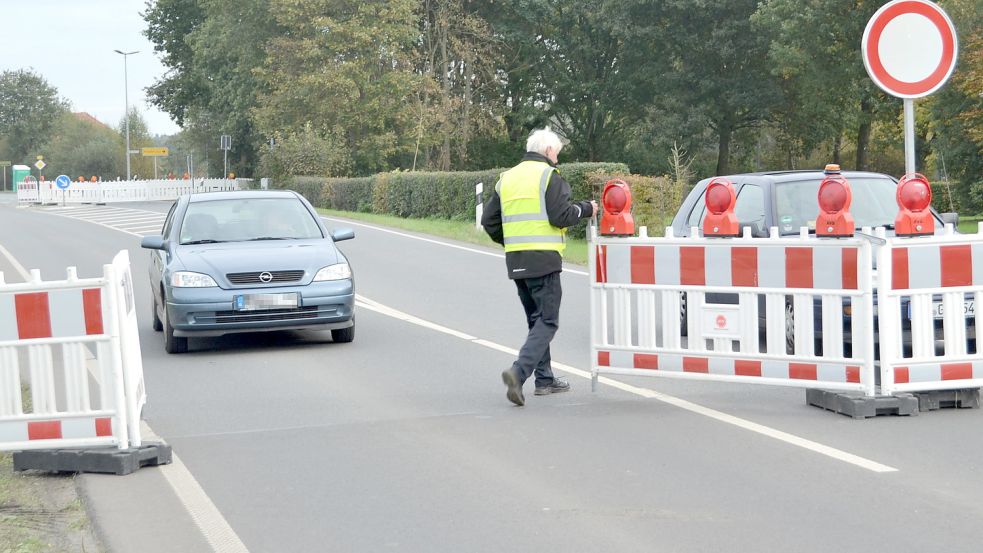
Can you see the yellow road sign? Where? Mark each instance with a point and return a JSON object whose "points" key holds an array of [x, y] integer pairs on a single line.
{"points": [[154, 152]]}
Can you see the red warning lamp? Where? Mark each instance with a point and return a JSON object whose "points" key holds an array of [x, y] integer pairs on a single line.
{"points": [[834, 197], [617, 219], [914, 196], [720, 200]]}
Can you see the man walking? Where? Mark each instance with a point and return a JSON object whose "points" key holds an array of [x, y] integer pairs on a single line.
{"points": [[528, 213]]}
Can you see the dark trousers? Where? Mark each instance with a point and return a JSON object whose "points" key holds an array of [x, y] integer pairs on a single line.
{"points": [[541, 300]]}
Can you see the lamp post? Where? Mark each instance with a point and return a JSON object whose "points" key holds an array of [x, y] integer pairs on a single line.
{"points": [[126, 100]]}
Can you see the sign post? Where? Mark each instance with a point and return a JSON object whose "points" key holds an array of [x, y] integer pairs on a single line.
{"points": [[154, 153], [63, 182], [909, 49], [225, 144], [3, 170]]}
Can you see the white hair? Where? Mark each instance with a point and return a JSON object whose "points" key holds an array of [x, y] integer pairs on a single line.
{"points": [[541, 139]]}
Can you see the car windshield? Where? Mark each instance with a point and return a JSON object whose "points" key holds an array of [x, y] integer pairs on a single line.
{"points": [[243, 219], [873, 203]]}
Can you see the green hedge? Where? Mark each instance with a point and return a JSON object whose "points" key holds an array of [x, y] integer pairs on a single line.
{"points": [[447, 195]]}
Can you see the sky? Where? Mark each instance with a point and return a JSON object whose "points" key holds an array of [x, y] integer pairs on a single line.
{"points": [[70, 43]]}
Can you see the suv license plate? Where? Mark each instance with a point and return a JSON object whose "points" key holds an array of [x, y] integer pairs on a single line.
{"points": [[938, 312], [258, 302]]}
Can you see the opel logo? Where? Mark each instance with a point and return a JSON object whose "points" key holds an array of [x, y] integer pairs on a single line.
{"points": [[265, 276]]}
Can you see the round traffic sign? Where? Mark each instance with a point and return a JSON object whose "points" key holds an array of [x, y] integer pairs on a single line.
{"points": [[909, 48], [63, 181]]}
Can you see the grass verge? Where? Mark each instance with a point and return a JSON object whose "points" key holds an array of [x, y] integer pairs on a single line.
{"points": [[969, 225], [40, 512], [462, 231]]}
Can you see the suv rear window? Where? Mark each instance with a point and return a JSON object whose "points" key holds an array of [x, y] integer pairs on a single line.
{"points": [[873, 203]]}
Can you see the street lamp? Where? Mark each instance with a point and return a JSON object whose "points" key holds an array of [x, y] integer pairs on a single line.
{"points": [[126, 99]]}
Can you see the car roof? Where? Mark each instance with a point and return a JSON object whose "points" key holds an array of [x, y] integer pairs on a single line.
{"points": [[794, 176], [255, 194]]}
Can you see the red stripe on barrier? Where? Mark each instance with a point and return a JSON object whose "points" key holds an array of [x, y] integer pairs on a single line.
{"points": [[849, 264], [44, 430], [643, 265], [104, 427], [33, 318], [92, 305], [747, 368], [647, 361], [901, 375], [957, 371], [853, 375], [899, 262], [604, 358], [744, 266], [692, 266], [601, 270], [798, 267], [957, 265], [696, 365], [802, 371]]}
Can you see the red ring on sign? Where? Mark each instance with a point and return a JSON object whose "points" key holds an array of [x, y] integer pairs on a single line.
{"points": [[946, 64]]}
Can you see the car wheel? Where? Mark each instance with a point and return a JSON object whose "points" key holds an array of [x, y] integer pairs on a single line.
{"points": [[172, 343], [157, 324], [343, 335], [683, 329]]}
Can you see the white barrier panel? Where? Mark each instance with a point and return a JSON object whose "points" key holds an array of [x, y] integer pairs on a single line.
{"points": [[930, 289], [70, 344], [765, 290], [123, 191]]}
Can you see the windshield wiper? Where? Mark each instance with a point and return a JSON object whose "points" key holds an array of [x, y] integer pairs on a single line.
{"points": [[272, 238], [203, 241]]}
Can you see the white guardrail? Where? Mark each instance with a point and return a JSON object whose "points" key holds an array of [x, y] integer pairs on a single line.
{"points": [[72, 348], [121, 191]]}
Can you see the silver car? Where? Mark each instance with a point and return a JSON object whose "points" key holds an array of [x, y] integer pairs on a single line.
{"points": [[248, 261]]}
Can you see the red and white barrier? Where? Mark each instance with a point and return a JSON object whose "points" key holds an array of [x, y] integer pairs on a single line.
{"points": [[76, 341], [939, 281], [638, 284]]}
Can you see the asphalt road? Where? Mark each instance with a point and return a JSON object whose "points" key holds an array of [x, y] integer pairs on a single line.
{"points": [[403, 440]]}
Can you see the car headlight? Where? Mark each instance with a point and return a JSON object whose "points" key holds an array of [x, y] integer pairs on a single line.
{"points": [[187, 279], [339, 271]]}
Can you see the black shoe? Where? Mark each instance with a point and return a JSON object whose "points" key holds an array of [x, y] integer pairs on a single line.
{"points": [[514, 392], [558, 385]]}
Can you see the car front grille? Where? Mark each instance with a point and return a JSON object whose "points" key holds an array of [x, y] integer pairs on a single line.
{"points": [[300, 313], [279, 277]]}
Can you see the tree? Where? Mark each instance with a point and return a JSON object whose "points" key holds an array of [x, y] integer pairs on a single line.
{"points": [[29, 109], [82, 147], [345, 67], [701, 60], [169, 23]]}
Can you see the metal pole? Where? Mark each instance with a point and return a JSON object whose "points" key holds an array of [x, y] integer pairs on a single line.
{"points": [[226, 157], [909, 135], [126, 100], [155, 167]]}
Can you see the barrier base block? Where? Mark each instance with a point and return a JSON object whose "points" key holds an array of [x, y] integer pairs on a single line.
{"points": [[948, 399], [863, 407], [109, 460]]}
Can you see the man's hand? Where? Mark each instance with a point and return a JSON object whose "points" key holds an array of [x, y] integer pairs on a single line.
{"points": [[593, 205]]}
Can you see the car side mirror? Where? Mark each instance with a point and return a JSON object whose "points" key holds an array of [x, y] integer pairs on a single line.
{"points": [[950, 218], [153, 242], [342, 234], [758, 229]]}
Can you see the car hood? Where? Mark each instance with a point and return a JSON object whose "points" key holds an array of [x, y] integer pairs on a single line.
{"points": [[218, 260]]}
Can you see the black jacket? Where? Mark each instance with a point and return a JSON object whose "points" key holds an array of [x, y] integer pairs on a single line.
{"points": [[562, 213]]}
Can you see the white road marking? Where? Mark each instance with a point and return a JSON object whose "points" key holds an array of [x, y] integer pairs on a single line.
{"points": [[790, 439], [420, 238], [17, 266], [217, 531]]}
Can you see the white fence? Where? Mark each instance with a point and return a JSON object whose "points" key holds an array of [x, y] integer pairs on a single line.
{"points": [[121, 191], [651, 315], [791, 311], [73, 346]]}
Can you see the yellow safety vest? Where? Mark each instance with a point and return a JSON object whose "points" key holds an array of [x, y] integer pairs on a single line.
{"points": [[525, 224]]}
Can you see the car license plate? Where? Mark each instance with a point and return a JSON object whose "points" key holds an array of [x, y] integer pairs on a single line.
{"points": [[258, 302], [938, 312]]}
